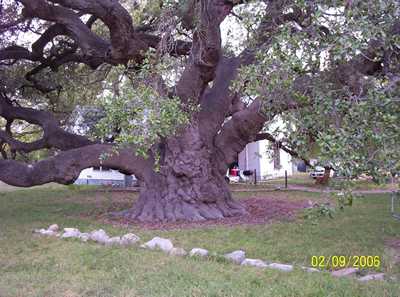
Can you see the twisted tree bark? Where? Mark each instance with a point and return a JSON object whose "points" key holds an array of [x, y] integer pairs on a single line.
{"points": [[189, 185]]}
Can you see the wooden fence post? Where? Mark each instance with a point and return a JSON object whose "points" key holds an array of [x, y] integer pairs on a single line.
{"points": [[285, 179]]}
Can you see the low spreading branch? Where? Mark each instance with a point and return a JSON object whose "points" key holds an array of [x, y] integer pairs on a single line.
{"points": [[64, 168], [53, 135], [282, 146]]}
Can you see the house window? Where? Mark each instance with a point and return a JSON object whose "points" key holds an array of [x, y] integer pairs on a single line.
{"points": [[277, 156]]}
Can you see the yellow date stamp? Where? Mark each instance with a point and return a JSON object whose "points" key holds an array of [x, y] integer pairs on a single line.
{"points": [[337, 261]]}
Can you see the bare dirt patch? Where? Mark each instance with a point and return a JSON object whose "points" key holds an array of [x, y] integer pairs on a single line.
{"points": [[260, 211]]}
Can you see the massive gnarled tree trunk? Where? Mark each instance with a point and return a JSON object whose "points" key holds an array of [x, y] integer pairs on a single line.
{"points": [[189, 182]]}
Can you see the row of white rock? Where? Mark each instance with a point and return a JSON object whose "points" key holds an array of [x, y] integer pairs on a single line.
{"points": [[165, 245]]}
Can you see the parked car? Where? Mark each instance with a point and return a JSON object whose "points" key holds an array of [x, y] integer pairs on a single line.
{"points": [[319, 171], [236, 175]]}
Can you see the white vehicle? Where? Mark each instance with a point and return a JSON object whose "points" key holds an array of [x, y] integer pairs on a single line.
{"points": [[236, 175], [319, 171]]}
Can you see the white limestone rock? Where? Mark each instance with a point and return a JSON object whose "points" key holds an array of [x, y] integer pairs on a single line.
{"points": [[84, 236], [236, 257], [282, 267], [49, 233], [180, 252], [71, 233], [39, 231], [198, 252], [310, 269], [254, 262], [113, 241], [160, 243], [45, 232], [129, 239], [369, 277], [53, 228], [99, 236]]}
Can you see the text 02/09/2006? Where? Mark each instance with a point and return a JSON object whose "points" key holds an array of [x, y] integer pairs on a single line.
{"points": [[345, 261]]}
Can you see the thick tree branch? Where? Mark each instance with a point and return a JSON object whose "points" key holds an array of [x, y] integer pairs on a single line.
{"points": [[206, 50], [282, 146], [178, 47], [16, 52], [219, 102], [20, 146], [239, 131], [53, 135], [124, 40], [90, 43], [46, 37], [65, 167]]}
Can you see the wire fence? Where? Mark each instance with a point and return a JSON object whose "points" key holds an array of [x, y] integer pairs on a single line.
{"points": [[395, 204]]}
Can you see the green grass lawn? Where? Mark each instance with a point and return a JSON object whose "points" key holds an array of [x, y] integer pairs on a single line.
{"points": [[37, 266]]}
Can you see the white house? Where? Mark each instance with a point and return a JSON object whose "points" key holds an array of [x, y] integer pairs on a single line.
{"points": [[104, 176], [266, 158], [267, 163]]}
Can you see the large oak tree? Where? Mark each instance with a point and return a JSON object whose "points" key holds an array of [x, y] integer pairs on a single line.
{"points": [[172, 103]]}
